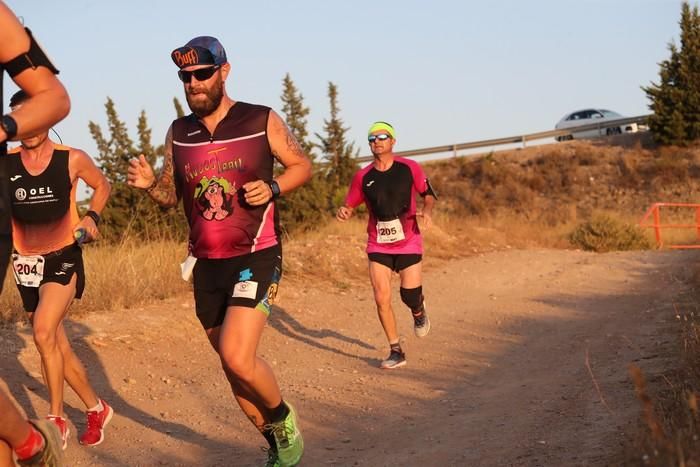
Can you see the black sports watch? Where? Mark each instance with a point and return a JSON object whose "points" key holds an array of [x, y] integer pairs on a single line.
{"points": [[275, 188], [9, 126], [94, 216]]}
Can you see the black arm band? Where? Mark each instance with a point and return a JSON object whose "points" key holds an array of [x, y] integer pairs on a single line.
{"points": [[9, 126], [94, 216], [429, 190], [33, 58]]}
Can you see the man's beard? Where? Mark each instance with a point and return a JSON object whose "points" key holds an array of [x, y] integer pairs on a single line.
{"points": [[203, 108]]}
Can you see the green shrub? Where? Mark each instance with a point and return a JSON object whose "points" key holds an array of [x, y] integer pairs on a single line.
{"points": [[604, 233]]}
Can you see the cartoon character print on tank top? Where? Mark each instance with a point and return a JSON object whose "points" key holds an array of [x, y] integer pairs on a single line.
{"points": [[214, 198], [210, 170]]}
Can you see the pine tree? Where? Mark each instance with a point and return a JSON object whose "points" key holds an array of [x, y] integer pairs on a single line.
{"points": [[179, 112], [128, 210], [306, 207], [690, 64], [295, 114], [114, 155], [152, 221], [341, 155], [675, 100]]}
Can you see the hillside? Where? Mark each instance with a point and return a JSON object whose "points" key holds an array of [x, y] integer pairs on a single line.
{"points": [[561, 184]]}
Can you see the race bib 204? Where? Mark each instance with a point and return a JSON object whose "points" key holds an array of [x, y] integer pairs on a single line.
{"points": [[29, 270]]}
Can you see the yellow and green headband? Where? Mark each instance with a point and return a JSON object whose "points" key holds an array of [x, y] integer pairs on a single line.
{"points": [[378, 126]]}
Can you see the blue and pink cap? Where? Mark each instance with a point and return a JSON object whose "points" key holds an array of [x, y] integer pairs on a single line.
{"points": [[202, 50]]}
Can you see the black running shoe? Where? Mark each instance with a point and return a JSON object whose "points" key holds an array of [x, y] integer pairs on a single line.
{"points": [[395, 360]]}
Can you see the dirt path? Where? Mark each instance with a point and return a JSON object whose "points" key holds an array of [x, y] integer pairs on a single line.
{"points": [[501, 380]]}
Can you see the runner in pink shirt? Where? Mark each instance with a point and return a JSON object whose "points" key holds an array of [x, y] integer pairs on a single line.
{"points": [[388, 187]]}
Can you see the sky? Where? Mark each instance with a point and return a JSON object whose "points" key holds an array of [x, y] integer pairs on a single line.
{"points": [[442, 72]]}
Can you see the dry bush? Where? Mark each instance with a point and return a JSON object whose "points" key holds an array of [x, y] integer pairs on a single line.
{"points": [[604, 233]]}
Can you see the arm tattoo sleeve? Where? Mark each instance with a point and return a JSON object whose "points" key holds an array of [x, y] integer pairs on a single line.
{"points": [[164, 192], [293, 145]]}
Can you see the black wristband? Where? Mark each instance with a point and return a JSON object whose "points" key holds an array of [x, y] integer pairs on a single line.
{"points": [[275, 188], [94, 216], [9, 126]]}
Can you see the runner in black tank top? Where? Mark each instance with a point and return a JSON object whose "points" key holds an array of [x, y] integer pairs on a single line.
{"points": [[219, 161], [48, 263]]}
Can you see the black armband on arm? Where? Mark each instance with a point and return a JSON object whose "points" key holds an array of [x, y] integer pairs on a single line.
{"points": [[429, 190], [33, 58], [9, 126]]}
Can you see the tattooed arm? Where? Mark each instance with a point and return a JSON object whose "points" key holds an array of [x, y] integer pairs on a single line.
{"points": [[287, 150], [163, 189]]}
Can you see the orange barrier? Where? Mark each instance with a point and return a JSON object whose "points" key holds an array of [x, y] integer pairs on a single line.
{"points": [[655, 213]]}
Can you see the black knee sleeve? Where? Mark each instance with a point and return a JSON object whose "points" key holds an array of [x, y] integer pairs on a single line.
{"points": [[413, 298]]}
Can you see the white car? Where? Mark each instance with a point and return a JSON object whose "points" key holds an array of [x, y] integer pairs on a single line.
{"points": [[589, 116]]}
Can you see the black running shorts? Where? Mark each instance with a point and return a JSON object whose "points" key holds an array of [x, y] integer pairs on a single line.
{"points": [[395, 262], [59, 267], [249, 281]]}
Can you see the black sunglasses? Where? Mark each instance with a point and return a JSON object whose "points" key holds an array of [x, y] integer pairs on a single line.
{"points": [[380, 137], [202, 74]]}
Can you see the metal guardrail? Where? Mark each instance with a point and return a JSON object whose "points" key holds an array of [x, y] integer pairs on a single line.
{"points": [[514, 139], [652, 220]]}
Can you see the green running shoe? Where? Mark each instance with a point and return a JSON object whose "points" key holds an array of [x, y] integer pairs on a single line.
{"points": [[290, 444]]}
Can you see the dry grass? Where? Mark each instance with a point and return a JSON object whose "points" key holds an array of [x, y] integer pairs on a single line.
{"points": [[670, 419], [334, 255], [132, 274], [118, 276]]}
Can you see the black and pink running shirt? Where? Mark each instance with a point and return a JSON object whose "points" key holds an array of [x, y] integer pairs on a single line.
{"points": [[210, 170], [390, 197]]}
